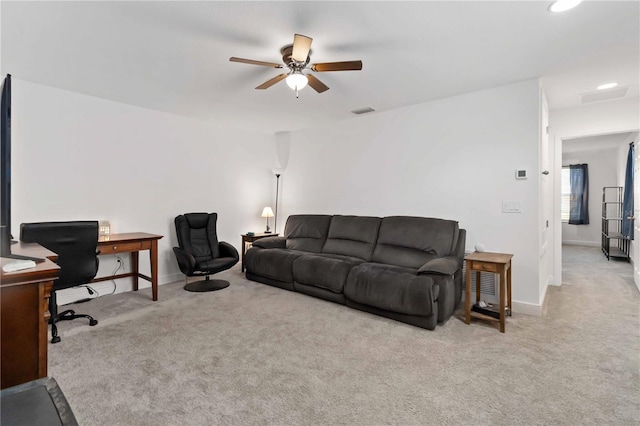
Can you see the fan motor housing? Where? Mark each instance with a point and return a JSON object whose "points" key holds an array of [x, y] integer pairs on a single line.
{"points": [[287, 51]]}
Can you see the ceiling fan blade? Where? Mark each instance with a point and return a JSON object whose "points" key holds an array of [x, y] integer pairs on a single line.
{"points": [[252, 62], [316, 84], [301, 47], [337, 66], [271, 82]]}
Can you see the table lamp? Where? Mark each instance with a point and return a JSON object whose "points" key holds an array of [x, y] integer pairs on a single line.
{"points": [[267, 212]]}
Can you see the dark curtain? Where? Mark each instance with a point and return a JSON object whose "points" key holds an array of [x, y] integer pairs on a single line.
{"points": [[627, 200], [579, 203]]}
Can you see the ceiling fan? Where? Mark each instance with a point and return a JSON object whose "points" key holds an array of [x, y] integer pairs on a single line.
{"points": [[296, 57]]}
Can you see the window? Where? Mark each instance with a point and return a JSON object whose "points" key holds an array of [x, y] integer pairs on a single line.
{"points": [[575, 195], [574, 204], [565, 202]]}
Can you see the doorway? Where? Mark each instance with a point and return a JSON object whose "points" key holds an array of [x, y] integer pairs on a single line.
{"points": [[606, 156]]}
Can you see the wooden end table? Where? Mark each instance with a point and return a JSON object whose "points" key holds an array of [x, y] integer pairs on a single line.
{"points": [[249, 239], [497, 263]]}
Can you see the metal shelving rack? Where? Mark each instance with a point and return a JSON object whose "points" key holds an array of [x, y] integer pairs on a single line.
{"points": [[614, 244]]}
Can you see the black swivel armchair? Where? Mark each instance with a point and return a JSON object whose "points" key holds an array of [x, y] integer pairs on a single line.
{"points": [[200, 253], [76, 245]]}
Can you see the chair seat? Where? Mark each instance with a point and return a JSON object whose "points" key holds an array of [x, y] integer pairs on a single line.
{"points": [[213, 265]]}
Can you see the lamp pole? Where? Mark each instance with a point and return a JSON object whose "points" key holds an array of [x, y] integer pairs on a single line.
{"points": [[275, 224]]}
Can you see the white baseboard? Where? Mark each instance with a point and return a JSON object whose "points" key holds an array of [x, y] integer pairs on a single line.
{"points": [[517, 307], [104, 288], [526, 308], [581, 243]]}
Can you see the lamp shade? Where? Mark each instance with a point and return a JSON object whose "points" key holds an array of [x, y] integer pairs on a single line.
{"points": [[267, 212]]}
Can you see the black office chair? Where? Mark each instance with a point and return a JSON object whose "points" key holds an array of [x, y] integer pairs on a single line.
{"points": [[200, 253], [76, 245]]}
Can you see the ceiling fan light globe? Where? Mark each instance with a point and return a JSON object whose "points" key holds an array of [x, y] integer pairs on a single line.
{"points": [[563, 5], [297, 81]]}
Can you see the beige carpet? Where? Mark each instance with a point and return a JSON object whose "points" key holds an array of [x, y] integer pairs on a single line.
{"points": [[254, 355]]}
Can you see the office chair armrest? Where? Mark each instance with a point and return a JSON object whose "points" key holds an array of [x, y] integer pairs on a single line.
{"points": [[227, 250], [186, 261]]}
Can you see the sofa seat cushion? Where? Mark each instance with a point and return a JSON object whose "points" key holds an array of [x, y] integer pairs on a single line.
{"points": [[392, 289], [399, 269], [323, 270], [276, 264]]}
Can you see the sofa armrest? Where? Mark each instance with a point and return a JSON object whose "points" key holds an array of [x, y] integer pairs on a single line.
{"points": [[271, 242], [442, 266]]}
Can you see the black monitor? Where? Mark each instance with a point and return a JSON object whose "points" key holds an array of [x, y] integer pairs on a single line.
{"points": [[5, 174], [5, 167]]}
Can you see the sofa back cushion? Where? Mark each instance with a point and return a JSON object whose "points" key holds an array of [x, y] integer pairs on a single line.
{"points": [[413, 241], [307, 232], [353, 236]]}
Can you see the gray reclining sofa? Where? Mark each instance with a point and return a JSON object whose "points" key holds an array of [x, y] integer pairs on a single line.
{"points": [[405, 268]]}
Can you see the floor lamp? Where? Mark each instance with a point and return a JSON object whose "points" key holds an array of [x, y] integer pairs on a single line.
{"points": [[275, 224]]}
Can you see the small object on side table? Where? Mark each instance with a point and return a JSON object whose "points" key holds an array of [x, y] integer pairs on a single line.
{"points": [[485, 311], [496, 263]]}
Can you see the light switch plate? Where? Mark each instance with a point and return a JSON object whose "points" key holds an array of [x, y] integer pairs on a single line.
{"points": [[511, 207]]}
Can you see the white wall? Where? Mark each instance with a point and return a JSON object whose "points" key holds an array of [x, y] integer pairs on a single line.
{"points": [[598, 118], [603, 169], [454, 158], [81, 157]]}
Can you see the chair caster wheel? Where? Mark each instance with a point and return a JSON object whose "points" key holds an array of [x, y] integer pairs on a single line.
{"points": [[93, 322], [55, 339]]}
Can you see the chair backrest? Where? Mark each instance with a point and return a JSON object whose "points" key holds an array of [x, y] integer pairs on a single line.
{"points": [[197, 235], [75, 243]]}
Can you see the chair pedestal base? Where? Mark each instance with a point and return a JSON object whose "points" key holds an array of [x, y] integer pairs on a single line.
{"points": [[206, 285]]}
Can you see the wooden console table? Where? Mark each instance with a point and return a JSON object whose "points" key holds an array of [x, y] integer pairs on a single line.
{"points": [[132, 243], [24, 316], [250, 239], [497, 263]]}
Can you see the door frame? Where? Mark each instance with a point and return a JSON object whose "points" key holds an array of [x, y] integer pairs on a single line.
{"points": [[556, 142]]}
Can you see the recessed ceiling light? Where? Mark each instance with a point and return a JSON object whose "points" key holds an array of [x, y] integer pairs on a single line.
{"points": [[562, 5], [607, 86]]}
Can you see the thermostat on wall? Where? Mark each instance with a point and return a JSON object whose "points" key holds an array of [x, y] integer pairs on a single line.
{"points": [[521, 174]]}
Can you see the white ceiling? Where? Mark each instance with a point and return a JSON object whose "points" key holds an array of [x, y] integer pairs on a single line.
{"points": [[599, 142], [174, 56]]}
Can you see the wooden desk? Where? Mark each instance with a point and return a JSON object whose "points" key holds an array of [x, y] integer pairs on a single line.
{"points": [[132, 243], [497, 263], [24, 316], [248, 239]]}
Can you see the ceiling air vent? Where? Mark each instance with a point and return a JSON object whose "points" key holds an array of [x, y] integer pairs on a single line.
{"points": [[364, 110], [604, 95]]}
